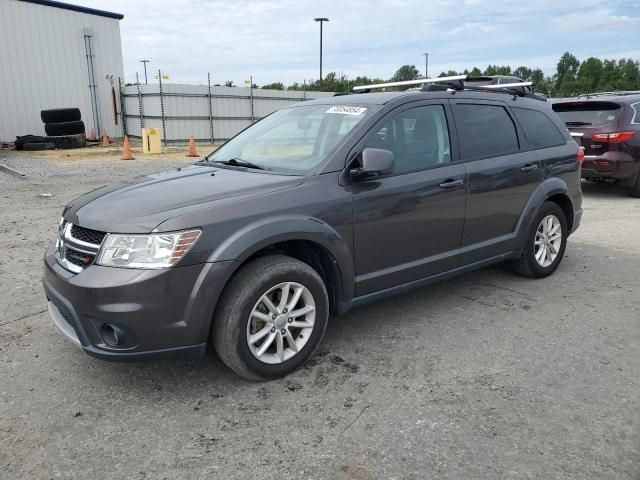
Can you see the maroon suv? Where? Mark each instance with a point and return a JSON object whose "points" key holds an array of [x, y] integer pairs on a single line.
{"points": [[608, 127]]}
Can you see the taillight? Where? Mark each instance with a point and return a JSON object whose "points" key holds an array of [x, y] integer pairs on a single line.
{"points": [[580, 155], [617, 137]]}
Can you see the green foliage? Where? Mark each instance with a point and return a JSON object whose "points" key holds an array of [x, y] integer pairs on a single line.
{"points": [[571, 77], [405, 73], [274, 86], [498, 70], [229, 83]]}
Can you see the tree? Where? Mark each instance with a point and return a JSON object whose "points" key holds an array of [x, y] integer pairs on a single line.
{"points": [[523, 72], [537, 76], [229, 83], [497, 70], [274, 86], [405, 73], [566, 72], [570, 78], [590, 74], [628, 74]]}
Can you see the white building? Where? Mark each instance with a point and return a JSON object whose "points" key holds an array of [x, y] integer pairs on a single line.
{"points": [[57, 55]]}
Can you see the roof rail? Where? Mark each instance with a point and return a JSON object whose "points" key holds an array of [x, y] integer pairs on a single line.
{"points": [[407, 83], [507, 85], [456, 82]]}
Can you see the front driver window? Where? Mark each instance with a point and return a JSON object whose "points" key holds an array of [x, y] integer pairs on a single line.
{"points": [[418, 138]]}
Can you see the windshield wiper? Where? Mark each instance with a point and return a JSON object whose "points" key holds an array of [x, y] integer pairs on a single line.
{"points": [[238, 162], [577, 124]]}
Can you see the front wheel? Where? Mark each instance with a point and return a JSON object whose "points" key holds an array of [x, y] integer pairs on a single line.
{"points": [[545, 243], [271, 318]]}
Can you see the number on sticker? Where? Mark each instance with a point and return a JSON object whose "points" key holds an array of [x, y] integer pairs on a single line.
{"points": [[347, 110]]}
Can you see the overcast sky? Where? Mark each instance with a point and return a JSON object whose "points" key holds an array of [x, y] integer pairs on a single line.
{"points": [[277, 40]]}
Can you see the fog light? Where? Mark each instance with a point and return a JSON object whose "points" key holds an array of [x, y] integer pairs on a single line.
{"points": [[112, 335]]}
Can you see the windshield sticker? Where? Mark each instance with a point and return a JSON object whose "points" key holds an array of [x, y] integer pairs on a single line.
{"points": [[347, 110]]}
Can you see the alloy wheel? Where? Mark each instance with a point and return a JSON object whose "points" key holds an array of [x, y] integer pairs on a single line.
{"points": [[548, 240], [281, 322]]}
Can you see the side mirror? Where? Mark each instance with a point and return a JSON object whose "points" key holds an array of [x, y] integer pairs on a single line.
{"points": [[375, 162]]}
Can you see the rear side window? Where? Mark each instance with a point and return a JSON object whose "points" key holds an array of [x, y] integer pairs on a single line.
{"points": [[587, 113], [485, 131], [538, 128]]}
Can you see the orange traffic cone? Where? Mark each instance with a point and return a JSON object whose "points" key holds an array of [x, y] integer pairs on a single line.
{"points": [[105, 138], [92, 135], [126, 153], [192, 147]]}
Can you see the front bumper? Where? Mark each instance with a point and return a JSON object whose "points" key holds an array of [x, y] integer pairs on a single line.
{"points": [[158, 313]]}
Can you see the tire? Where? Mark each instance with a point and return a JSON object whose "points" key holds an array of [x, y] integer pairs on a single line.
{"points": [[57, 115], [527, 264], [64, 128], [36, 146], [23, 140], [66, 142], [634, 190], [232, 323]]}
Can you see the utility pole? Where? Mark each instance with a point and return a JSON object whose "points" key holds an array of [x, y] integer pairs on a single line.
{"points": [[321, 20], [426, 65], [144, 62]]}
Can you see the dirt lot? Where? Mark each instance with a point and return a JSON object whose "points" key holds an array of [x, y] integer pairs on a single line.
{"points": [[486, 376]]}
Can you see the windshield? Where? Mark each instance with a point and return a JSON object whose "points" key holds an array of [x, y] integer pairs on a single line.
{"points": [[292, 140], [587, 113]]}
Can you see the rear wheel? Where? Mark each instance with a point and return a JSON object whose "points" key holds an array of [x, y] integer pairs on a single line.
{"points": [[271, 318], [545, 244], [634, 190]]}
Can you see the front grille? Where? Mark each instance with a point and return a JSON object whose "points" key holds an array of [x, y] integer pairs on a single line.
{"points": [[87, 235], [77, 258]]}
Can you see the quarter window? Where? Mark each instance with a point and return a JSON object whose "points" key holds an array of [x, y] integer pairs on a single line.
{"points": [[636, 113], [485, 131], [418, 138], [538, 128]]}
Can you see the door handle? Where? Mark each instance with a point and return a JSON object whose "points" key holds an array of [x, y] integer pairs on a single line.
{"points": [[529, 168], [451, 183]]}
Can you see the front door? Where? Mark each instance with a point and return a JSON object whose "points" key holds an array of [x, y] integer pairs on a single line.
{"points": [[408, 225]]}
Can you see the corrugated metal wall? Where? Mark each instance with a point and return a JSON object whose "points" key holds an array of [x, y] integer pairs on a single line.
{"points": [[43, 65], [186, 109]]}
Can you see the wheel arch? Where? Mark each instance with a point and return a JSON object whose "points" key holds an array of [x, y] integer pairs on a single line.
{"points": [[554, 190], [308, 239]]}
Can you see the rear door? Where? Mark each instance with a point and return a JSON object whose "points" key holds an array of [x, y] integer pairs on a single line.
{"points": [[501, 176]]}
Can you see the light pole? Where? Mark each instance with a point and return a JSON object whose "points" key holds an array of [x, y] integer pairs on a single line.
{"points": [[144, 62], [321, 20], [426, 65]]}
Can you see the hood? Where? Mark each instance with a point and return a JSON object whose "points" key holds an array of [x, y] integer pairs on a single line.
{"points": [[141, 204]]}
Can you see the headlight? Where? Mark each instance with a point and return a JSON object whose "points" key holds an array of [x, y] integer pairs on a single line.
{"points": [[156, 250]]}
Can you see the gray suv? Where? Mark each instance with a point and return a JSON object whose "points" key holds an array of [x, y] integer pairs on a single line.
{"points": [[317, 208]]}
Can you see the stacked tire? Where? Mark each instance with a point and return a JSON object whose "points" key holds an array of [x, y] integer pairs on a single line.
{"points": [[64, 127]]}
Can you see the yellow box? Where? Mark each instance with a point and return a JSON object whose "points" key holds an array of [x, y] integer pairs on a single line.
{"points": [[151, 142]]}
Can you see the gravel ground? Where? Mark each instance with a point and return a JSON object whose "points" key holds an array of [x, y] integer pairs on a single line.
{"points": [[486, 376]]}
